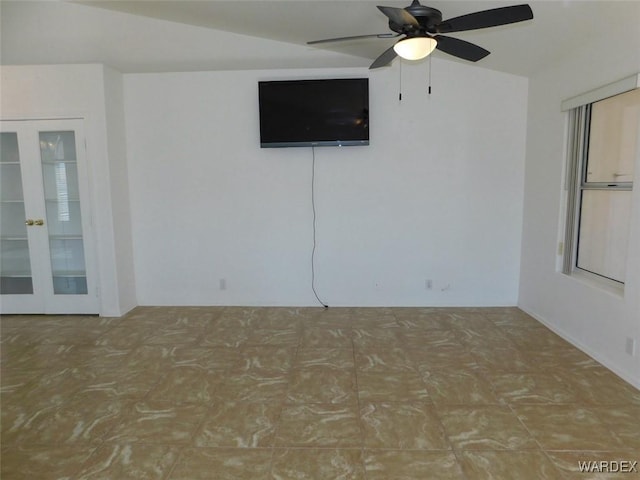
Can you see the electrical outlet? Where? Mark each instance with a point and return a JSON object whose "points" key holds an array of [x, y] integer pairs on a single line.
{"points": [[428, 284], [630, 346], [223, 284]]}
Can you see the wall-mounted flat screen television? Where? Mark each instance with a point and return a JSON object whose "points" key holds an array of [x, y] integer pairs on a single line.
{"points": [[304, 113]]}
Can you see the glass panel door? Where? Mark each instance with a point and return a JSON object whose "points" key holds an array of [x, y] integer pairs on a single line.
{"points": [[15, 264], [47, 257], [63, 216]]}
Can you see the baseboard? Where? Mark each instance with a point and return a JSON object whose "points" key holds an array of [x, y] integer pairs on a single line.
{"points": [[593, 354]]}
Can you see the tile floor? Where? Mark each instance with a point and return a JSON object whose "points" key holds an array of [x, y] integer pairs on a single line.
{"points": [[286, 393]]}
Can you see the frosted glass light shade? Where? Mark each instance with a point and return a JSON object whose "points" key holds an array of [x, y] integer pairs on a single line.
{"points": [[415, 48]]}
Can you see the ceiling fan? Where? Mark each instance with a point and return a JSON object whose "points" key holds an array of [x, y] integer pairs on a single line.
{"points": [[423, 27]]}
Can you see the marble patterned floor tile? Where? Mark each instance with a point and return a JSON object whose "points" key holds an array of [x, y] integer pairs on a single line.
{"points": [[46, 388], [54, 330], [124, 383], [413, 426], [222, 464], [18, 418], [443, 358], [275, 337], [12, 382], [285, 317], [381, 321], [336, 358], [624, 422], [533, 388], [265, 317], [213, 359], [239, 317], [44, 462], [560, 360], [488, 336], [96, 357], [602, 387], [187, 385], [513, 318], [157, 422], [383, 360], [253, 387], [426, 339], [37, 322], [130, 461], [151, 357], [164, 357], [422, 319], [411, 465], [224, 336], [508, 465], [68, 356], [485, 428], [540, 339], [230, 393], [123, 337], [172, 317], [391, 387], [319, 426], [264, 359], [502, 359], [242, 425], [567, 427], [371, 337], [315, 337], [459, 388], [11, 354], [314, 464], [174, 336], [321, 385], [372, 315], [338, 317], [65, 335], [468, 317], [84, 420], [604, 465]]}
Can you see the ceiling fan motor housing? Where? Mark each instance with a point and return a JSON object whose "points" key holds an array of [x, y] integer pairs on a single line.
{"points": [[427, 17]]}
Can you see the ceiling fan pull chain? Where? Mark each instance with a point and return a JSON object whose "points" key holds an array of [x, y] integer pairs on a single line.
{"points": [[400, 87], [429, 74]]}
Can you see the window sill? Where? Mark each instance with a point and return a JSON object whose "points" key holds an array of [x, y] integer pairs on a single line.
{"points": [[596, 281]]}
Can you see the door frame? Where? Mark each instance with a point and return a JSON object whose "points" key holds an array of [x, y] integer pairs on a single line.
{"points": [[43, 299]]}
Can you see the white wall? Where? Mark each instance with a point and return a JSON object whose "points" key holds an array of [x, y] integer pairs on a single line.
{"points": [[119, 189], [61, 32], [594, 319], [437, 195], [78, 91]]}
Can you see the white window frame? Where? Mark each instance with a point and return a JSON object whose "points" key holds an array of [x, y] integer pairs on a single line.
{"points": [[578, 128]]}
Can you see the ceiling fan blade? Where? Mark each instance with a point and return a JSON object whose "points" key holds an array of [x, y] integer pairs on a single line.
{"points": [[385, 59], [486, 19], [460, 48], [354, 37], [399, 16]]}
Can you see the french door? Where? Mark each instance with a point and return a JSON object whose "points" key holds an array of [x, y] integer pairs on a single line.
{"points": [[46, 239]]}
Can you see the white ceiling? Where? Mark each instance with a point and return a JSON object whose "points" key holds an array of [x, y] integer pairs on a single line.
{"points": [[151, 35]]}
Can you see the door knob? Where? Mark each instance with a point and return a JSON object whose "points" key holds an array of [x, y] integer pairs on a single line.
{"points": [[39, 222], [29, 222]]}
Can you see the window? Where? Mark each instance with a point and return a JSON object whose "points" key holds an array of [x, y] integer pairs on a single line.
{"points": [[603, 149]]}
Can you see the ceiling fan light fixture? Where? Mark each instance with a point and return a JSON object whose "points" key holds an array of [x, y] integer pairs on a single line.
{"points": [[415, 48]]}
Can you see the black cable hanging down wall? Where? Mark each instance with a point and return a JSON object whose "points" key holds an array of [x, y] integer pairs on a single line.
{"points": [[313, 207]]}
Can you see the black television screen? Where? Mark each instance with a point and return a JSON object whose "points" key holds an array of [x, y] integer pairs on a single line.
{"points": [[303, 113]]}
